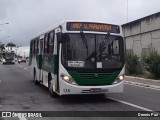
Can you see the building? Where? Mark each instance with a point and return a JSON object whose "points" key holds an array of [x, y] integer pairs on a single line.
{"points": [[142, 34]]}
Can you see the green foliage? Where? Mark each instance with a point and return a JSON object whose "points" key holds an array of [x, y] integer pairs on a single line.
{"points": [[131, 63], [10, 45], [2, 47], [153, 62]]}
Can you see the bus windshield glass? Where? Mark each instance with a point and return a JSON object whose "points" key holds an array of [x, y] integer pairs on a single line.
{"points": [[92, 51], [8, 55]]}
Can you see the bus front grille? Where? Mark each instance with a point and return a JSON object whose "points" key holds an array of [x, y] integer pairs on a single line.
{"points": [[94, 78]]}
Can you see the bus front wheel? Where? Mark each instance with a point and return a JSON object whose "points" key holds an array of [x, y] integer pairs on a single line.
{"points": [[51, 92]]}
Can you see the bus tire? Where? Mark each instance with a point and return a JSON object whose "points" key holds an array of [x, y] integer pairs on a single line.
{"points": [[36, 82], [51, 92]]}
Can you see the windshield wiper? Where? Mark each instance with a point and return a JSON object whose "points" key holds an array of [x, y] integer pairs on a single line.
{"points": [[103, 45], [84, 40]]}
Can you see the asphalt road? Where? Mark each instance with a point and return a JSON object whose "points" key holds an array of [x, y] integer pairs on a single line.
{"points": [[18, 93]]}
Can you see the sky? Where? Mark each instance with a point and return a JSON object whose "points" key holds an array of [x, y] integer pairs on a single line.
{"points": [[26, 18]]}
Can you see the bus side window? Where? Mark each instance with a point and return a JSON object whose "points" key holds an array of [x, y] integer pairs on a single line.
{"points": [[31, 47], [37, 51], [45, 43], [51, 42], [41, 46]]}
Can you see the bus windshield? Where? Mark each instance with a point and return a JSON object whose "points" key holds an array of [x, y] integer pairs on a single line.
{"points": [[8, 55], [93, 51]]}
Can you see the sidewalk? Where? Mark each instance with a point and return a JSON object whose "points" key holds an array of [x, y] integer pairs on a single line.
{"points": [[143, 82]]}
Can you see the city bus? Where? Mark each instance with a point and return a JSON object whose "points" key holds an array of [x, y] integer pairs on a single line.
{"points": [[79, 57], [8, 57]]}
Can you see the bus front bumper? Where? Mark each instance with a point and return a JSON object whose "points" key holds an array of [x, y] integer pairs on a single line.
{"points": [[69, 89]]}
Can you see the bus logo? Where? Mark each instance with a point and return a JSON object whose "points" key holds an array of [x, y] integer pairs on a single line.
{"points": [[96, 75]]}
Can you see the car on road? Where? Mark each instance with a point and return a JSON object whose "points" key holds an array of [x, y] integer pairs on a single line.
{"points": [[22, 60]]}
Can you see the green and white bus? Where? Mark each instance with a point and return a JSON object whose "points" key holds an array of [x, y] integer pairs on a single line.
{"points": [[79, 57]]}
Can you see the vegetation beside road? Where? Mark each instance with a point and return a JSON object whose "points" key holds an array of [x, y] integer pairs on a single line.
{"points": [[146, 67]]}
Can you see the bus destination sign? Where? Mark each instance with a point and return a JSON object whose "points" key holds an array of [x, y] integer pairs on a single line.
{"points": [[88, 26]]}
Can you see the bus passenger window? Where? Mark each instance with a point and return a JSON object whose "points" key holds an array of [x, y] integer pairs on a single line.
{"points": [[45, 43], [51, 42], [37, 51], [33, 46], [41, 46]]}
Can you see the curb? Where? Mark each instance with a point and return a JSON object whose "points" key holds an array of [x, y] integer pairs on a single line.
{"points": [[143, 85], [142, 78]]}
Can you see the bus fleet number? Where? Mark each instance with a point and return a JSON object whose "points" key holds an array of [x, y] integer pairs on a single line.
{"points": [[66, 90]]}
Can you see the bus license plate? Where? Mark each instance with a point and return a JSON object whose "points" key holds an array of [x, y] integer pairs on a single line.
{"points": [[95, 90]]}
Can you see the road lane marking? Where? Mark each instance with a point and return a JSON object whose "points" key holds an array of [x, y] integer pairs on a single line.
{"points": [[138, 85], [25, 68], [130, 104]]}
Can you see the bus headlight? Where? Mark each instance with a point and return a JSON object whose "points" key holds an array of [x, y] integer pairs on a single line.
{"points": [[119, 79], [3, 60], [68, 79]]}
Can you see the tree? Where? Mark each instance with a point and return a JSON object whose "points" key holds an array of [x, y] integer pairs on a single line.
{"points": [[2, 47], [153, 62], [131, 63], [10, 45]]}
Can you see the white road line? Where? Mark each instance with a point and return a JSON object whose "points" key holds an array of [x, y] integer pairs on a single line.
{"points": [[141, 78], [21, 118], [25, 68], [143, 86], [0, 81], [130, 104], [20, 66]]}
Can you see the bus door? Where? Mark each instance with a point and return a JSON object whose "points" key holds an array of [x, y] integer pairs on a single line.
{"points": [[41, 49], [56, 61]]}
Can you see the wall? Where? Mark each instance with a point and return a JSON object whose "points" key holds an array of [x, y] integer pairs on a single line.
{"points": [[141, 34]]}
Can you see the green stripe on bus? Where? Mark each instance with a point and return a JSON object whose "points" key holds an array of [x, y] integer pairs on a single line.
{"points": [[94, 78], [39, 61], [50, 63]]}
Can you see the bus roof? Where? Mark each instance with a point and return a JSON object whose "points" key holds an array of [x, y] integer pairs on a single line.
{"points": [[74, 25]]}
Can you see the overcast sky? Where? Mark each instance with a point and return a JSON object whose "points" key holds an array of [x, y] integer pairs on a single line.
{"points": [[29, 17]]}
